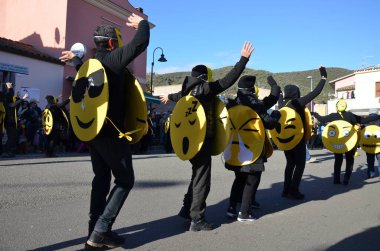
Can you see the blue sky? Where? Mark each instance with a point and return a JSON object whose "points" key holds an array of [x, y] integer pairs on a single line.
{"points": [[288, 35]]}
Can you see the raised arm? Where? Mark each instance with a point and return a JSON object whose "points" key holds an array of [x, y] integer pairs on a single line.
{"points": [[317, 90], [274, 95]]}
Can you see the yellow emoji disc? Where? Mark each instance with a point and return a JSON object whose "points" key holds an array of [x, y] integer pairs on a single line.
{"points": [[268, 147], [222, 128], [136, 113], [187, 127], [339, 136], [370, 139], [47, 121], [308, 124], [89, 100], [291, 131], [247, 136]]}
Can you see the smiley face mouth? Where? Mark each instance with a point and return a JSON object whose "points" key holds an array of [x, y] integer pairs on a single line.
{"points": [[185, 145], [338, 146], [371, 145], [83, 124], [237, 143], [284, 141]]}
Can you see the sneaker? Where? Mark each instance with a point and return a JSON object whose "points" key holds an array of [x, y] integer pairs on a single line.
{"points": [[245, 218], [311, 160], [105, 240], [231, 212], [184, 213], [200, 225], [296, 196], [256, 205]]}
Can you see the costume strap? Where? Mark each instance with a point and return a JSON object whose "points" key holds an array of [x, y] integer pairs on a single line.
{"points": [[121, 134]]}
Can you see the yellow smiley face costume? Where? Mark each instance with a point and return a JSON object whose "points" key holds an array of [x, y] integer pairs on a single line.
{"points": [[291, 132], [188, 127], [370, 139], [136, 113], [247, 136], [308, 124], [222, 130], [47, 121], [339, 136], [89, 100]]}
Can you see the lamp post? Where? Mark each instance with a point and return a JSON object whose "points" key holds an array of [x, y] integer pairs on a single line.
{"points": [[161, 59], [311, 89]]}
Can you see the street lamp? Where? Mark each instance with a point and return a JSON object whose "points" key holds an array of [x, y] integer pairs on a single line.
{"points": [[161, 59], [311, 89]]}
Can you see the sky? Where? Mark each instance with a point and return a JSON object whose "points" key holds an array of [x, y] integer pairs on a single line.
{"points": [[288, 35]]}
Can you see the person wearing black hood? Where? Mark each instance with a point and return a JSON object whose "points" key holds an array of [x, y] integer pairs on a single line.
{"points": [[194, 202], [353, 119], [247, 177], [296, 157], [111, 155]]}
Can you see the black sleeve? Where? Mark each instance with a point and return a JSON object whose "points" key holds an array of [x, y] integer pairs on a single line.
{"points": [[303, 101], [366, 120], [175, 96], [325, 119], [121, 57], [273, 97], [223, 84], [63, 103], [77, 62]]}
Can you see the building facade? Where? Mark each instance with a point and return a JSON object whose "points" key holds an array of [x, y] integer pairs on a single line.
{"points": [[361, 90], [54, 26]]}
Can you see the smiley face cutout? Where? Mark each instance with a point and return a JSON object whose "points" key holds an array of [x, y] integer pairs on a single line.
{"points": [[187, 127], [135, 109], [89, 100], [370, 139], [47, 121], [222, 127], [247, 136], [291, 131], [339, 136]]}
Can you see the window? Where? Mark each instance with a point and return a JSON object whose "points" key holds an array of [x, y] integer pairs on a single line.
{"points": [[377, 89]]}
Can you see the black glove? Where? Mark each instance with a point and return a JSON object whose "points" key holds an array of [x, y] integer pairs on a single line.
{"points": [[313, 113], [271, 81], [276, 115], [323, 71]]}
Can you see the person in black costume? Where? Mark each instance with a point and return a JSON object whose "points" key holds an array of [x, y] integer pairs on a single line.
{"points": [[296, 157], [194, 202], [247, 177], [57, 110], [353, 119], [109, 153]]}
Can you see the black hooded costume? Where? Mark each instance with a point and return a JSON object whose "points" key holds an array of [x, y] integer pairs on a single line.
{"points": [[296, 157]]}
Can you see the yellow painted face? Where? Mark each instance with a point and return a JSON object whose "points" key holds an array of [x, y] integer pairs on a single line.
{"points": [[187, 127], [339, 136], [47, 121], [308, 124], [341, 105], [291, 131], [247, 136], [222, 130], [89, 100], [370, 139], [135, 109]]}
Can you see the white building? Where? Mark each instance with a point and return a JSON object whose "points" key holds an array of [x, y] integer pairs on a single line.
{"points": [[361, 90]]}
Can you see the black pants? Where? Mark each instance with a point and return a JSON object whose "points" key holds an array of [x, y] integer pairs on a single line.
{"points": [[295, 166], [109, 154], [349, 165], [11, 145], [199, 187], [52, 141], [244, 190]]}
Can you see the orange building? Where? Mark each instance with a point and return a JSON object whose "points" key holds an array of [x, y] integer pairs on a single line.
{"points": [[49, 27]]}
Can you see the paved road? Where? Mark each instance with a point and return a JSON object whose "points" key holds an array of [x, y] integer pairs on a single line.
{"points": [[44, 204]]}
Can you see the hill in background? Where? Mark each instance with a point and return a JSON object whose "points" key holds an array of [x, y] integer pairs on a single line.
{"points": [[298, 78]]}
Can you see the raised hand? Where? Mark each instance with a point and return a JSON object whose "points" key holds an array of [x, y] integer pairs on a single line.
{"points": [[164, 98], [67, 56], [271, 81], [323, 71], [247, 49], [133, 21]]}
